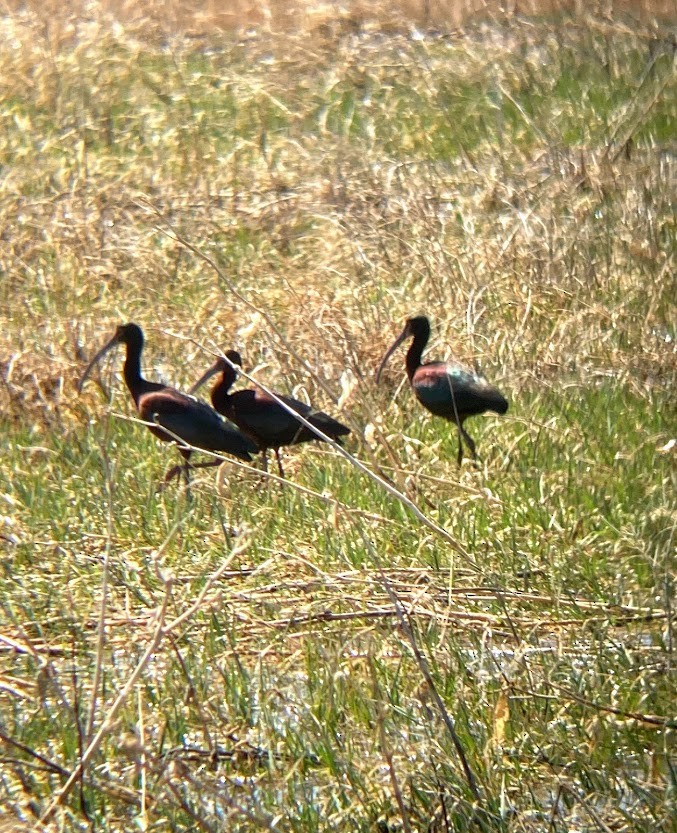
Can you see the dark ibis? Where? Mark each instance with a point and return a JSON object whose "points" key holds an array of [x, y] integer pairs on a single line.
{"points": [[447, 389], [184, 417], [260, 417]]}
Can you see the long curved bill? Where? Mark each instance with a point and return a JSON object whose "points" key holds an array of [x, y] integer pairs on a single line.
{"points": [[400, 338], [102, 352], [213, 370]]}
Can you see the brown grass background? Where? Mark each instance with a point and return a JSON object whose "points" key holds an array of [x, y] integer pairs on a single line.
{"points": [[200, 17]]}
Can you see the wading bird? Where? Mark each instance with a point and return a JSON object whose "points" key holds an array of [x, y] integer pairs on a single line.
{"points": [[447, 389], [183, 416], [260, 417]]}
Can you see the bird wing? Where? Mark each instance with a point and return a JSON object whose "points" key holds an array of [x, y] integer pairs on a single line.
{"points": [[449, 389], [258, 414], [261, 416], [192, 421]]}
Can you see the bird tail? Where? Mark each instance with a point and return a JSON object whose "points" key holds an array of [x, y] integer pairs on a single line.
{"points": [[497, 402], [329, 426]]}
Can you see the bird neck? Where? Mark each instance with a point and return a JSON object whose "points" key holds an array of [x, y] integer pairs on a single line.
{"points": [[228, 377], [132, 371], [414, 353], [221, 390]]}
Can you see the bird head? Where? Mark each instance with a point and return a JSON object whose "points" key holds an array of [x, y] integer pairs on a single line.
{"points": [[234, 357], [129, 334], [417, 326], [221, 365], [413, 327]]}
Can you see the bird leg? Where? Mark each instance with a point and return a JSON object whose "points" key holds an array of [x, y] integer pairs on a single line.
{"points": [[459, 456], [171, 474], [264, 454], [464, 435], [469, 442], [185, 467], [279, 463], [176, 471]]}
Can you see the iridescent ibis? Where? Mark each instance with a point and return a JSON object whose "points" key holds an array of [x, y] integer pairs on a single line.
{"points": [[173, 416], [260, 417], [447, 389]]}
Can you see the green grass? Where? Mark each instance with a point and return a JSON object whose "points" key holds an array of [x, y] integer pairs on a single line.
{"points": [[514, 183]]}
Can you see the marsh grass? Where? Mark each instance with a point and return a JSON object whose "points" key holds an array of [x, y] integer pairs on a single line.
{"points": [[311, 655]]}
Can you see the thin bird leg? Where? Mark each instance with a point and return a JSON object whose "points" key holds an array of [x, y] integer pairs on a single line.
{"points": [[177, 471], [459, 456], [469, 442], [279, 462], [171, 474], [184, 468], [186, 472]]}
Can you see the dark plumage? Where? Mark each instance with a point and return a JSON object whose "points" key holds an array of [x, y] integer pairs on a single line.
{"points": [[183, 416], [260, 417], [447, 389]]}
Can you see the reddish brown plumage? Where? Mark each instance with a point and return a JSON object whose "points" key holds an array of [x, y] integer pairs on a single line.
{"points": [[172, 415], [447, 389], [259, 416]]}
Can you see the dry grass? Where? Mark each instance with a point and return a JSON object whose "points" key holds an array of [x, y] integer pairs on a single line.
{"points": [[310, 640], [208, 17]]}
